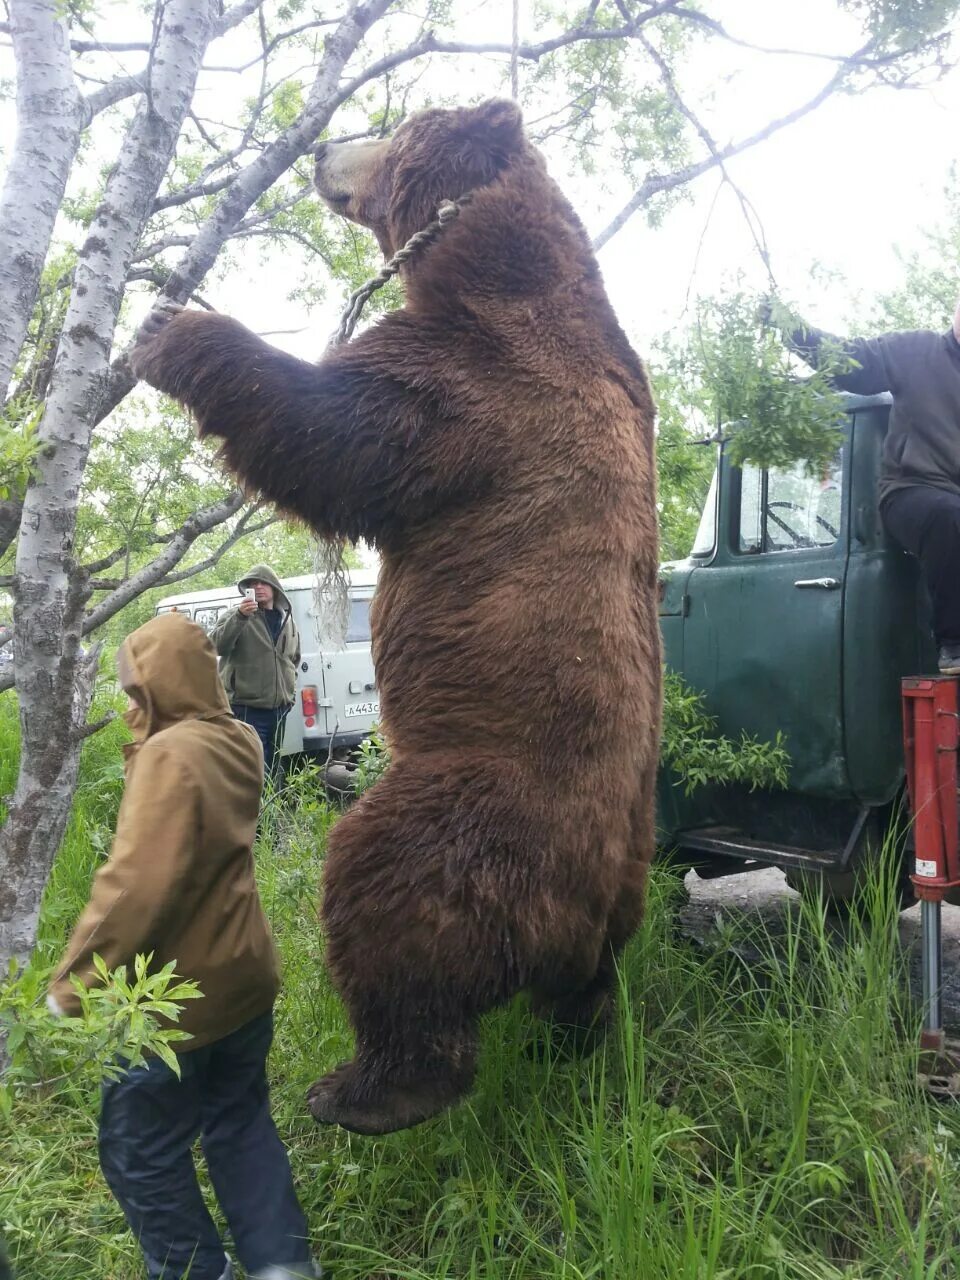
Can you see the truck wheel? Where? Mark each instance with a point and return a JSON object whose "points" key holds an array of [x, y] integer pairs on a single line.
{"points": [[839, 890]]}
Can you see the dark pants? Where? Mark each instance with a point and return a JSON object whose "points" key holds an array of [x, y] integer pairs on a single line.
{"points": [[148, 1123], [268, 722], [926, 521]]}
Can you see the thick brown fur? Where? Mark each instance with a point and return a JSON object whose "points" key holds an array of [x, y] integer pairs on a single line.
{"points": [[494, 439]]}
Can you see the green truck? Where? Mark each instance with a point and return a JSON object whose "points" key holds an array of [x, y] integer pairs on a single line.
{"points": [[796, 612]]}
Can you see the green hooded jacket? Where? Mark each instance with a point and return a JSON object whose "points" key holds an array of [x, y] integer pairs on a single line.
{"points": [[256, 672]]}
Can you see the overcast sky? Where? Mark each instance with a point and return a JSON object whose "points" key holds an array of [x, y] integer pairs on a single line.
{"points": [[841, 188]]}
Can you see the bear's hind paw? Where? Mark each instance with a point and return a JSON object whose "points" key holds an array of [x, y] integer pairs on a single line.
{"points": [[343, 1098]]}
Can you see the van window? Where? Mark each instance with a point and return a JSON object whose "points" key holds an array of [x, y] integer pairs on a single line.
{"points": [[207, 617], [785, 509], [358, 627]]}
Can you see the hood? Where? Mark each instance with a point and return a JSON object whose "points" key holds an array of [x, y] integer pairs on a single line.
{"points": [[169, 667], [263, 573]]}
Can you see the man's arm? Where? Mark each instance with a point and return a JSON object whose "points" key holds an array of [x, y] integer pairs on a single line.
{"points": [[226, 632], [152, 855], [874, 361]]}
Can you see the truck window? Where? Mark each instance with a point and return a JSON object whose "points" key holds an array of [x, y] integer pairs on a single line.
{"points": [[358, 627], [706, 538], [784, 508]]}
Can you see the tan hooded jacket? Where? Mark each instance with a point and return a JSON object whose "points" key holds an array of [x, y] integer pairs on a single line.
{"points": [[180, 878]]}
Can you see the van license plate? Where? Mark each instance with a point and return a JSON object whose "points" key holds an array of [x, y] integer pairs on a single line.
{"points": [[354, 709]]}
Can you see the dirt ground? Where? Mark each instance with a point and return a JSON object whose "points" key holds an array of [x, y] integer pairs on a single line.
{"points": [[766, 892]]}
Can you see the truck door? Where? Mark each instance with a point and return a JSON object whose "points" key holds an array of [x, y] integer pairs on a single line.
{"points": [[762, 635]]}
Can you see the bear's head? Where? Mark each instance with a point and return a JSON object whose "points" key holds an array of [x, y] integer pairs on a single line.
{"points": [[394, 185]]}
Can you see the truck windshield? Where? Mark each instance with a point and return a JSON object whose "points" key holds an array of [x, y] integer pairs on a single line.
{"points": [[704, 542]]}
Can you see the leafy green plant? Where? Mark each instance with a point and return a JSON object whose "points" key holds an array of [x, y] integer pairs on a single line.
{"points": [[691, 748], [781, 418], [735, 370], [373, 757], [122, 1019], [18, 448]]}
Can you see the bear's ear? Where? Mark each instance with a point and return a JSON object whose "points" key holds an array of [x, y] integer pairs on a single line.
{"points": [[499, 119]]}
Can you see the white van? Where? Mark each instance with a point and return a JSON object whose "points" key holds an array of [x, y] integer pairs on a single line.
{"points": [[336, 702]]}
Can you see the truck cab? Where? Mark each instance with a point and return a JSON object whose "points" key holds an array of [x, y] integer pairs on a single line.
{"points": [[796, 612]]}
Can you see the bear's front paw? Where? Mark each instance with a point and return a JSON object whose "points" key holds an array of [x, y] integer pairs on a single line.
{"points": [[144, 356]]}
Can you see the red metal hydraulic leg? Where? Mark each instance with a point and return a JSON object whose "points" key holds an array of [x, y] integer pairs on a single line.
{"points": [[931, 733]]}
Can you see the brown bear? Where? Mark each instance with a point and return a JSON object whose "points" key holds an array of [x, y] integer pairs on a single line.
{"points": [[494, 439]]}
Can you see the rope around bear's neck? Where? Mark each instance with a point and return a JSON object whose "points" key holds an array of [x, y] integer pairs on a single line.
{"points": [[447, 212], [331, 596]]}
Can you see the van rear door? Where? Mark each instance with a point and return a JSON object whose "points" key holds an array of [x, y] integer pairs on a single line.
{"points": [[353, 703]]}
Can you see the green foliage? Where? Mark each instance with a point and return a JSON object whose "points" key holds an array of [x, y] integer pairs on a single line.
{"points": [[734, 369], [905, 24], [121, 1021], [373, 757], [693, 751], [18, 446]]}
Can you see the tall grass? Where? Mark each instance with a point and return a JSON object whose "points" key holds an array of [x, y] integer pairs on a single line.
{"points": [[753, 1115]]}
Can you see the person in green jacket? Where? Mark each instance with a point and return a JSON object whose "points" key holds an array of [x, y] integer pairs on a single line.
{"points": [[259, 648]]}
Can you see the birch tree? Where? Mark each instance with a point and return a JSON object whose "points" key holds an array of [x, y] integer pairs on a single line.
{"points": [[180, 187]]}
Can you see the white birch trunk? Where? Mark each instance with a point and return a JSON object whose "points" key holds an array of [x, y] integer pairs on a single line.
{"points": [[52, 687], [50, 114], [49, 600]]}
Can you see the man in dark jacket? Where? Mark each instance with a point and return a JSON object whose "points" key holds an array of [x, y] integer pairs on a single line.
{"points": [[920, 475], [179, 885], [259, 649]]}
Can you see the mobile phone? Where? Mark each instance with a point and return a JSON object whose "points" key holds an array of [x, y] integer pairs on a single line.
{"points": [[249, 593]]}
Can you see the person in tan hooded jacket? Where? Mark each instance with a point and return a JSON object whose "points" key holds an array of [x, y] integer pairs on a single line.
{"points": [[179, 885]]}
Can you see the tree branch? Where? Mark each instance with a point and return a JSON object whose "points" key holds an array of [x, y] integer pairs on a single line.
{"points": [[269, 47], [428, 43], [214, 558], [156, 571], [688, 114], [656, 184], [847, 60], [113, 92], [233, 17]]}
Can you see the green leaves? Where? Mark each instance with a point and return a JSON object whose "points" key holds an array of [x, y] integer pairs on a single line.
{"points": [[18, 446], [121, 1022], [734, 370], [696, 754], [373, 758]]}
